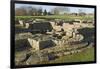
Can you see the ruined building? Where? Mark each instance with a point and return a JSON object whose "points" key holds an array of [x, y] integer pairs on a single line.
{"points": [[40, 42], [39, 27]]}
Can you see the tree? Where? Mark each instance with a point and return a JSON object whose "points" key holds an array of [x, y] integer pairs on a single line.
{"points": [[60, 10], [81, 12], [40, 11], [30, 10], [20, 11], [63, 10], [45, 12], [55, 11], [49, 13]]}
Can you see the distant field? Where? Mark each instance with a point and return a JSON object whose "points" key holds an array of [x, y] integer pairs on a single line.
{"points": [[65, 17]]}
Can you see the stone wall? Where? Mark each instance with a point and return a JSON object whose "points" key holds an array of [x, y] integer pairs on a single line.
{"points": [[34, 43]]}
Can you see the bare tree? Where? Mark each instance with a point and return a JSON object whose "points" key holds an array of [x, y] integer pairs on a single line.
{"points": [[20, 11], [55, 11], [81, 12], [58, 10]]}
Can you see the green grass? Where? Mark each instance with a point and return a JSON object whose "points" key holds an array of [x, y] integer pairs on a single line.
{"points": [[87, 55], [66, 17]]}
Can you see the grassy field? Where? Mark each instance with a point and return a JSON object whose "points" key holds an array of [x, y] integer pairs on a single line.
{"points": [[87, 55], [65, 17]]}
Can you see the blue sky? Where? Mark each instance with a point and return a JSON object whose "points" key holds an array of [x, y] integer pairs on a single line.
{"points": [[48, 8]]}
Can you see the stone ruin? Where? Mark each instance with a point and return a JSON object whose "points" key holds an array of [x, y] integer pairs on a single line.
{"points": [[61, 37]]}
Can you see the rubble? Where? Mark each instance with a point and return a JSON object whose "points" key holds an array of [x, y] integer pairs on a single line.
{"points": [[52, 39]]}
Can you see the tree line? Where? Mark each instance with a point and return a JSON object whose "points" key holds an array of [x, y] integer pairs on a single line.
{"points": [[31, 11], [34, 11]]}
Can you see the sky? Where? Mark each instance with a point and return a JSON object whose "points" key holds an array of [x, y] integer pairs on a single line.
{"points": [[48, 8]]}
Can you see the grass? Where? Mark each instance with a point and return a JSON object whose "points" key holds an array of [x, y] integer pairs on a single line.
{"points": [[87, 55], [66, 17]]}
